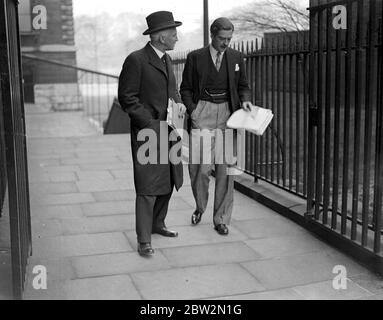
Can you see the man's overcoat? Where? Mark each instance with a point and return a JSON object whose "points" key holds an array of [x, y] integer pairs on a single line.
{"points": [[145, 85]]}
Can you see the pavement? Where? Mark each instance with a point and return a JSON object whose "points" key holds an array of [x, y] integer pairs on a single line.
{"points": [[83, 227]]}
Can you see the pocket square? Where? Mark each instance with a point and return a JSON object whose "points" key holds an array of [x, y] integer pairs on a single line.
{"points": [[236, 67]]}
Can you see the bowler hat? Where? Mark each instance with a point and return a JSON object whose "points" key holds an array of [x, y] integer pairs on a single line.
{"points": [[160, 20]]}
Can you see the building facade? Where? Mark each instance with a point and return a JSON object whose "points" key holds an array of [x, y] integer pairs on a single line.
{"points": [[47, 34]]}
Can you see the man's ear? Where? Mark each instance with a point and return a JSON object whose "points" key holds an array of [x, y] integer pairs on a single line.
{"points": [[162, 38]]}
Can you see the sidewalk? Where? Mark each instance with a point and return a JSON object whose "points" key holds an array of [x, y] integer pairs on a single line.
{"points": [[82, 208]]}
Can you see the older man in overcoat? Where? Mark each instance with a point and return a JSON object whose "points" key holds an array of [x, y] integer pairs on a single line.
{"points": [[146, 84]]}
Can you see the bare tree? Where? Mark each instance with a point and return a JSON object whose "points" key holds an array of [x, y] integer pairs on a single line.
{"points": [[271, 16]]}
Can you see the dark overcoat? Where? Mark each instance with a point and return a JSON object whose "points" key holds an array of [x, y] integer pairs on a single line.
{"points": [[145, 85]]}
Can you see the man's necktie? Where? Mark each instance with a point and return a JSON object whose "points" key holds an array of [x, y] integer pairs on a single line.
{"points": [[218, 61], [163, 59]]}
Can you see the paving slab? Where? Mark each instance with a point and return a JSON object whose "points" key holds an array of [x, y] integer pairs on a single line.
{"points": [[122, 173], [62, 176], [250, 211], [100, 224], [77, 245], [325, 291], [266, 227], [219, 253], [46, 228], [282, 294], [56, 212], [53, 188], [55, 291], [370, 281], [106, 166], [195, 282], [60, 269], [117, 195], [300, 269], [90, 160], [98, 185], [95, 174], [67, 198], [118, 263], [288, 245], [178, 203], [373, 297], [108, 208]]}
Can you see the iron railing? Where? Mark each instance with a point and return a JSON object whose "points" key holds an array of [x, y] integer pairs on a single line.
{"points": [[95, 91], [345, 122], [13, 144]]}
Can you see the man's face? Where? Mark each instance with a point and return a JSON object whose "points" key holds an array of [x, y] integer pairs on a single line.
{"points": [[170, 38], [222, 40]]}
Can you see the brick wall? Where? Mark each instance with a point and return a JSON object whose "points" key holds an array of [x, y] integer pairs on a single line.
{"points": [[55, 43]]}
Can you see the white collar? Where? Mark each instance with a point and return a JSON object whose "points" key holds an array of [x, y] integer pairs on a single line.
{"points": [[213, 52], [159, 52]]}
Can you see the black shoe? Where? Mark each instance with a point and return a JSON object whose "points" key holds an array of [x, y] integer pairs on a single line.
{"points": [[222, 229], [145, 249], [196, 217], [166, 232]]}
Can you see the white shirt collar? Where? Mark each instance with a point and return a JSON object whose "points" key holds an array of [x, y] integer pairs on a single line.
{"points": [[159, 52], [213, 52]]}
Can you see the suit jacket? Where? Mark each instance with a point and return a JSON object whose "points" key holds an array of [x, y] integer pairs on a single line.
{"points": [[143, 92], [195, 75]]}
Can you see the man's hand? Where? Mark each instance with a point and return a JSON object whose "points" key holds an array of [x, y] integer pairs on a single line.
{"points": [[182, 108], [246, 105]]}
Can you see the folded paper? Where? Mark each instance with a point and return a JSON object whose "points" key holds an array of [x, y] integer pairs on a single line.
{"points": [[176, 116], [255, 121]]}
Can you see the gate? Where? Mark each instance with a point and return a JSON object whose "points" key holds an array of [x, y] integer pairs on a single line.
{"points": [[345, 142], [13, 143]]}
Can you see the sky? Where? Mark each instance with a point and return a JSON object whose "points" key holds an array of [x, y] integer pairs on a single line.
{"points": [[189, 12]]}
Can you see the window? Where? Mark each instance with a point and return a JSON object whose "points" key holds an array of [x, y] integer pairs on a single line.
{"points": [[25, 16]]}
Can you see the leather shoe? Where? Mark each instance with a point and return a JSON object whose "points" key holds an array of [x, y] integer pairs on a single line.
{"points": [[166, 232], [222, 229], [196, 217], [145, 249]]}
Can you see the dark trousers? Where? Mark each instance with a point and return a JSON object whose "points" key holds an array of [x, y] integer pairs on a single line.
{"points": [[150, 215]]}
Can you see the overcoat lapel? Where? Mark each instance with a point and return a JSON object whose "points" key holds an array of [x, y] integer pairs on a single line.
{"points": [[154, 60]]}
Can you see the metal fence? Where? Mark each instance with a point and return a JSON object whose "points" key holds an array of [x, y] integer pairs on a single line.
{"points": [[325, 141], [13, 144], [345, 118], [95, 90]]}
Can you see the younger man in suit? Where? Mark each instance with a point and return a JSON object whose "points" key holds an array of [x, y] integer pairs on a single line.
{"points": [[214, 85]]}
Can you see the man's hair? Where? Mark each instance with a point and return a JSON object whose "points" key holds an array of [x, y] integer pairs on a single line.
{"points": [[155, 36], [220, 24]]}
